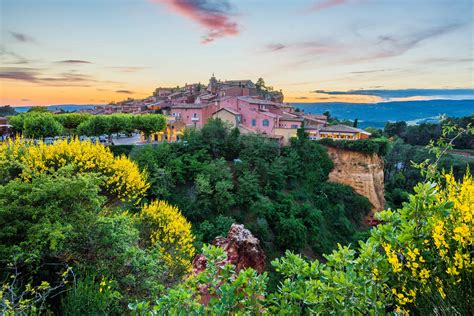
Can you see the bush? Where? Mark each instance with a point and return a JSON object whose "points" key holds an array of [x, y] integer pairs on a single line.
{"points": [[164, 226], [366, 146], [23, 159], [91, 294]]}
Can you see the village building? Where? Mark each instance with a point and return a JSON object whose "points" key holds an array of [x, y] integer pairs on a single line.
{"points": [[173, 132], [343, 132]]}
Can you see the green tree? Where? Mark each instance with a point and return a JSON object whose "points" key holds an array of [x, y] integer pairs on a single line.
{"points": [[38, 109], [41, 125], [7, 110], [94, 126], [120, 123], [149, 123], [70, 121]]}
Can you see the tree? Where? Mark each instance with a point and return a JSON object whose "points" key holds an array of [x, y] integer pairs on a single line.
{"points": [[96, 125], [395, 129], [38, 109], [149, 123], [70, 121], [120, 123], [7, 111], [43, 216], [260, 85], [41, 125], [356, 122], [17, 123]]}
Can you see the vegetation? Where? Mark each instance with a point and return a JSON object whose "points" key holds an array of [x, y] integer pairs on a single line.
{"points": [[217, 177], [87, 232], [70, 240], [366, 146], [422, 134], [38, 123], [7, 110]]}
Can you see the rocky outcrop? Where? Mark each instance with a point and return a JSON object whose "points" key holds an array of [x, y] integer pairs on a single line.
{"points": [[242, 248], [363, 172]]}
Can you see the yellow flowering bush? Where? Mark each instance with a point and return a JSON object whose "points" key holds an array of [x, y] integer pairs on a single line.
{"points": [[24, 159], [168, 229], [428, 246]]}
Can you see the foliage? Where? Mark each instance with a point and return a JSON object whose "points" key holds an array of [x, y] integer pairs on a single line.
{"points": [[366, 146], [165, 227], [95, 125], [37, 109], [280, 193], [121, 150], [36, 226], [21, 158], [149, 123], [70, 121], [7, 110], [17, 298], [40, 123], [91, 293], [423, 134], [219, 286]]}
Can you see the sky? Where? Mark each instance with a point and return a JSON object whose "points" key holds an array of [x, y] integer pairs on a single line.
{"points": [[98, 51]]}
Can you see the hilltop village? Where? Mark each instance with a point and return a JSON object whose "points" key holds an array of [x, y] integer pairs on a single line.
{"points": [[250, 107]]}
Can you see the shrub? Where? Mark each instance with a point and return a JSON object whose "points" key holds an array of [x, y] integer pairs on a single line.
{"points": [[164, 226], [366, 146], [23, 159]]}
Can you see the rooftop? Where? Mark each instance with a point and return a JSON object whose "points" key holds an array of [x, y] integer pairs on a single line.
{"points": [[343, 129], [189, 106]]}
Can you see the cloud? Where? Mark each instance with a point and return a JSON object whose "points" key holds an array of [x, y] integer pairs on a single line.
{"points": [[32, 75], [330, 51], [124, 91], [301, 98], [74, 61], [213, 15], [10, 57], [327, 4], [129, 69], [392, 45], [25, 100], [21, 37], [273, 47], [389, 94], [371, 71]]}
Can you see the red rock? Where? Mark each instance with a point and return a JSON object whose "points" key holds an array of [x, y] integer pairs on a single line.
{"points": [[242, 248]]}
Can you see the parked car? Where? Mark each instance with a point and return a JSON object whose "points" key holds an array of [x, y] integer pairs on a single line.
{"points": [[49, 140]]}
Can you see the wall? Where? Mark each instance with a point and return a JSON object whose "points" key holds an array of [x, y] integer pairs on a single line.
{"points": [[363, 172]]}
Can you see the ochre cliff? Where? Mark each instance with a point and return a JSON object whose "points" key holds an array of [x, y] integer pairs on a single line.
{"points": [[363, 172]]}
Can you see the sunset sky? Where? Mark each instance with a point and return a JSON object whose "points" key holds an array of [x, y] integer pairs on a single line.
{"points": [[97, 51]]}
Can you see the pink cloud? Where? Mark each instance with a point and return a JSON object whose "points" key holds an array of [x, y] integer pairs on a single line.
{"points": [[212, 15], [326, 4]]}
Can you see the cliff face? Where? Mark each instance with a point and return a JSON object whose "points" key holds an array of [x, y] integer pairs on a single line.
{"points": [[363, 172]]}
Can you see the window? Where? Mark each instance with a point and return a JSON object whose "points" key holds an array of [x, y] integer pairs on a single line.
{"points": [[254, 122], [174, 114], [265, 123], [294, 126], [195, 115]]}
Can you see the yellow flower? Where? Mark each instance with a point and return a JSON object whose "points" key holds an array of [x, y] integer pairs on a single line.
{"points": [[169, 229]]}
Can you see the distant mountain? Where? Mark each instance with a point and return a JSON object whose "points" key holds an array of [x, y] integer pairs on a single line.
{"points": [[377, 114], [65, 107]]}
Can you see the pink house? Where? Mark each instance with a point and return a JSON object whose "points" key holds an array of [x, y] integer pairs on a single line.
{"points": [[195, 115], [261, 115]]}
